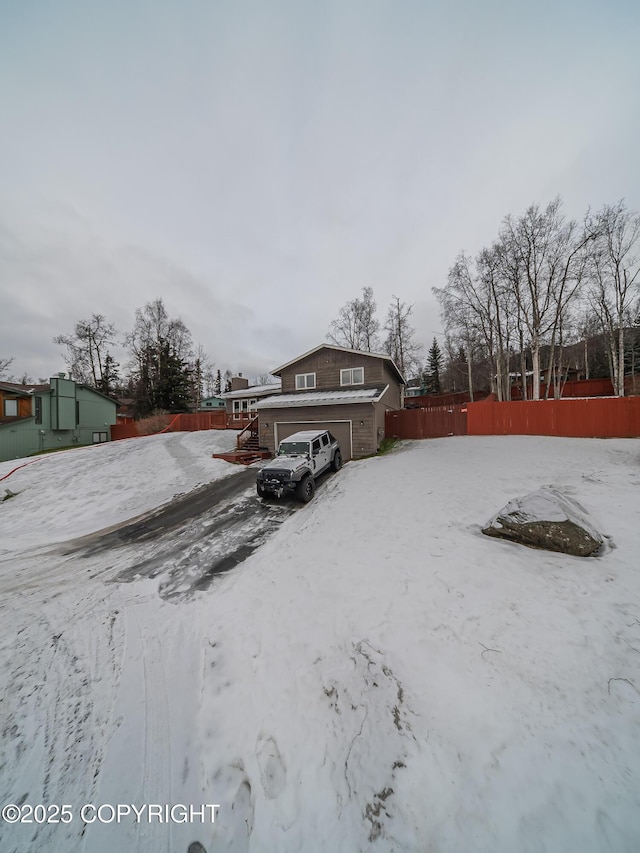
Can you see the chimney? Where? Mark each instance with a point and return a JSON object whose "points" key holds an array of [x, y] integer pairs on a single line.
{"points": [[239, 383]]}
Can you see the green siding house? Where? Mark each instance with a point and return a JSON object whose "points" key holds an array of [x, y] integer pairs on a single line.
{"points": [[212, 404], [63, 413]]}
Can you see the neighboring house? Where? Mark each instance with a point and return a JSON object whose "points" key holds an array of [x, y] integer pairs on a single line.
{"points": [[126, 410], [414, 388], [242, 399], [212, 404], [62, 413], [330, 387]]}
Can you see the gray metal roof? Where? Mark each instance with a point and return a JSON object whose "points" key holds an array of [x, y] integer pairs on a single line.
{"points": [[323, 398]]}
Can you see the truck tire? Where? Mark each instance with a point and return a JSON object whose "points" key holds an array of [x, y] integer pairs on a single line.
{"points": [[336, 463], [305, 489]]}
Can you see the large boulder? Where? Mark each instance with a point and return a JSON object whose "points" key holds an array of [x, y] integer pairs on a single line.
{"points": [[547, 519]]}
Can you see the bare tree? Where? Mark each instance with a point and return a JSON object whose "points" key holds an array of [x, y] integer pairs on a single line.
{"points": [[203, 377], [468, 314], [356, 326], [551, 255], [400, 342], [265, 379], [5, 364], [615, 279], [87, 356]]}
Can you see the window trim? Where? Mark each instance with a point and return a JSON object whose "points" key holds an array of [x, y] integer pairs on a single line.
{"points": [[305, 377], [349, 370], [8, 400]]}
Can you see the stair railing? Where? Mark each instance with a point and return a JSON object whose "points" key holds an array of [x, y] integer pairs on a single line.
{"points": [[251, 428]]}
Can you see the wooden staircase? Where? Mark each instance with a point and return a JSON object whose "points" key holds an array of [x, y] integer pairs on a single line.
{"points": [[247, 447]]}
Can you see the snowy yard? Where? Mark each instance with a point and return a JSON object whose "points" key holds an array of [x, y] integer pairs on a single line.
{"points": [[377, 676]]}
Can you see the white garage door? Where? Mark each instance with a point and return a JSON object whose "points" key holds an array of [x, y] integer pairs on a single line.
{"points": [[341, 430]]}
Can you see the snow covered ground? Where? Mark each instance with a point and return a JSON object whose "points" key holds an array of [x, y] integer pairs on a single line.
{"points": [[377, 676]]}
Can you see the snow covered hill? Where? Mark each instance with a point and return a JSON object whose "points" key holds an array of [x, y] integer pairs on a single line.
{"points": [[378, 676]]}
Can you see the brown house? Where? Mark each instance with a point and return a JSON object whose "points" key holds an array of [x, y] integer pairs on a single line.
{"points": [[335, 388], [242, 399]]}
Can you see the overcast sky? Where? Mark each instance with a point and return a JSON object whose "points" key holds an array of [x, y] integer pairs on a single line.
{"points": [[255, 163]]}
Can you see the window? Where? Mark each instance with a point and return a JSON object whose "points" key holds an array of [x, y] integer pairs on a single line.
{"points": [[11, 408], [325, 440], [99, 437], [38, 411], [352, 376], [316, 447], [305, 380], [241, 408]]}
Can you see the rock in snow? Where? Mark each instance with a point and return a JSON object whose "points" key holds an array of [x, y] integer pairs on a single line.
{"points": [[547, 519]]}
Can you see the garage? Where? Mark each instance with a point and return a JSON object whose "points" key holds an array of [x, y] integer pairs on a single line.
{"points": [[341, 429]]}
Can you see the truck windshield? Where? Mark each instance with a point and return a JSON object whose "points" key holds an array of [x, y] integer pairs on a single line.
{"points": [[293, 448]]}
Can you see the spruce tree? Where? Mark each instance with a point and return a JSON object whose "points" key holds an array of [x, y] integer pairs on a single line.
{"points": [[435, 361]]}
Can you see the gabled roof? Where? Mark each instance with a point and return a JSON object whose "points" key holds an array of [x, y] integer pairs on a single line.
{"points": [[323, 398], [382, 355]]}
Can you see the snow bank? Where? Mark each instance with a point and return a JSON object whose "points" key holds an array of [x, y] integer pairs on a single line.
{"points": [[78, 491]]}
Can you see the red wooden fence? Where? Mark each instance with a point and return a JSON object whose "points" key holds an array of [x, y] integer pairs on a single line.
{"points": [[597, 417], [177, 423], [426, 423], [573, 388]]}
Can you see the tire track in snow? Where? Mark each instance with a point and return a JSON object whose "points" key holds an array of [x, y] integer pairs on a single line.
{"points": [[57, 707], [193, 539]]}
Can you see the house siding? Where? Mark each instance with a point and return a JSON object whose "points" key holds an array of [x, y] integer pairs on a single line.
{"points": [[363, 435], [95, 413], [367, 419], [327, 364]]}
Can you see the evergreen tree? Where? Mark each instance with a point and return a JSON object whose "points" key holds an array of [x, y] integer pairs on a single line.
{"points": [[109, 380], [431, 376], [217, 387], [161, 347], [164, 381]]}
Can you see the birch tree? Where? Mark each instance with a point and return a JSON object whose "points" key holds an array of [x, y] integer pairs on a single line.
{"points": [[615, 279], [356, 326], [468, 311], [551, 255], [400, 342]]}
